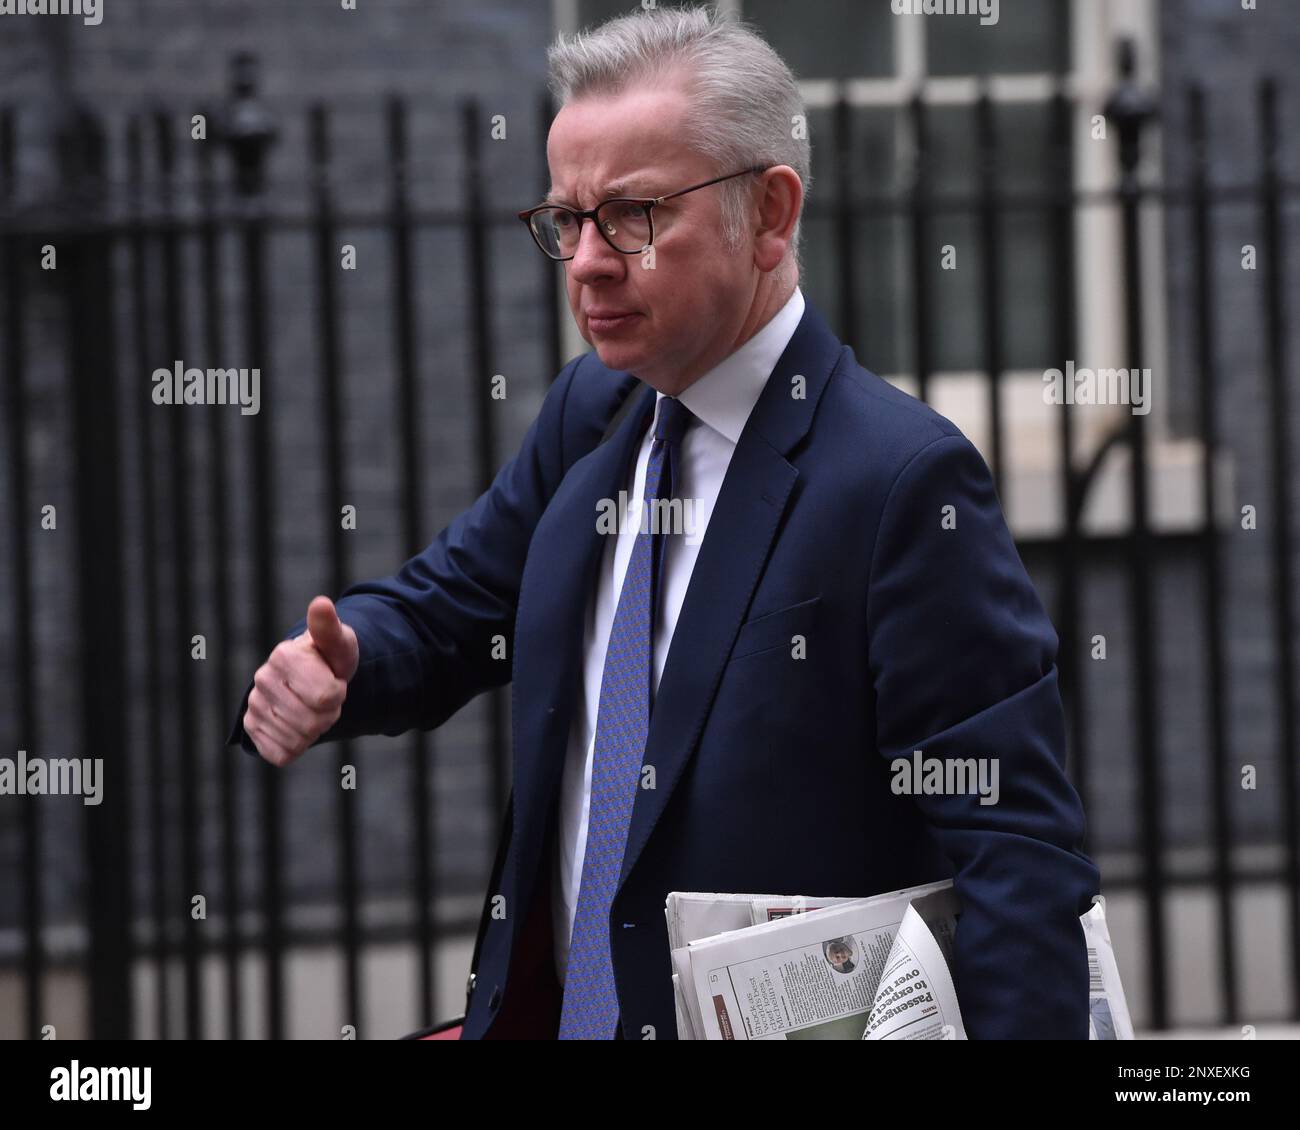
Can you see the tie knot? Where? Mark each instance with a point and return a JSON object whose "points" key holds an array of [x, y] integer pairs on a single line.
{"points": [[674, 419]]}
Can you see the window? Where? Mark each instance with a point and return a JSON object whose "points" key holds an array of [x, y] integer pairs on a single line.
{"points": [[946, 57]]}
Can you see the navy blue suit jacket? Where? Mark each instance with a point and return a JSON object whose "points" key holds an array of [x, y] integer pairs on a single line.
{"points": [[772, 772]]}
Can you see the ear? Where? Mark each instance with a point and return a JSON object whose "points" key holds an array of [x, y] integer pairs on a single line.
{"points": [[780, 200]]}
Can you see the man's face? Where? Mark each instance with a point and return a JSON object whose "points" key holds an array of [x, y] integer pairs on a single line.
{"points": [[687, 311]]}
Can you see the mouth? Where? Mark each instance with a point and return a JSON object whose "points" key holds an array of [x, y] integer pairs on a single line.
{"points": [[610, 323]]}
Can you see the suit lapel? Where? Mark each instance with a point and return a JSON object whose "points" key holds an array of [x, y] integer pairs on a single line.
{"points": [[753, 498]]}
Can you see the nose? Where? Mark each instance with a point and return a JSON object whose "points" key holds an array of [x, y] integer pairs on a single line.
{"points": [[595, 261]]}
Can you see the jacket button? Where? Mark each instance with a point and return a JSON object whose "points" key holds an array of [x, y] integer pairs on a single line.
{"points": [[495, 999]]}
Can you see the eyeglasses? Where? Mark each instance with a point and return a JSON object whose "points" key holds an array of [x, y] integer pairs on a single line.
{"points": [[625, 222]]}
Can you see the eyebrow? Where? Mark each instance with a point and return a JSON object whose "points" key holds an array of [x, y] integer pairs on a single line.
{"points": [[615, 188]]}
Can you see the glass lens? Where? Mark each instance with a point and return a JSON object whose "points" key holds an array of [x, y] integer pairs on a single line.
{"points": [[625, 223], [557, 231]]}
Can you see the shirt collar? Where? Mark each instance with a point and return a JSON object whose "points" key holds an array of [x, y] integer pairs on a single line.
{"points": [[724, 396]]}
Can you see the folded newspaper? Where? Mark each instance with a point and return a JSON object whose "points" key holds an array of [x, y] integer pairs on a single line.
{"points": [[791, 967]]}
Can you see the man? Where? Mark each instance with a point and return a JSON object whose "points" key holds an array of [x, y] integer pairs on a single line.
{"points": [[716, 712], [839, 952]]}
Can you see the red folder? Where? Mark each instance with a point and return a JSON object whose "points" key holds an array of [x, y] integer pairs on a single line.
{"points": [[447, 1030]]}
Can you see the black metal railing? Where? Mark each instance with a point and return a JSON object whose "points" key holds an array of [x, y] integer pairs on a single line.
{"points": [[187, 264]]}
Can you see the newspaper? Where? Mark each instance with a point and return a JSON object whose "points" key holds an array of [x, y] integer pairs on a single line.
{"points": [[695, 916], [1108, 1016], [915, 998], [795, 967], [764, 967]]}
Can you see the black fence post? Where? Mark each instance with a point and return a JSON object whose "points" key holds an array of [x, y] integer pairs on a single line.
{"points": [[846, 258], [1060, 166], [414, 536], [333, 453], [990, 244], [142, 356], [177, 647], [85, 268], [14, 250], [1216, 672], [1129, 108], [218, 481], [249, 133], [476, 226], [920, 210], [552, 289]]}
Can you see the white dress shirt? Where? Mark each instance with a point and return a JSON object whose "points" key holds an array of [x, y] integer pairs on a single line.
{"points": [[721, 401]]}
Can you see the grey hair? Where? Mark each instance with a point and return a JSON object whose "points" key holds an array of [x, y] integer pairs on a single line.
{"points": [[745, 101]]}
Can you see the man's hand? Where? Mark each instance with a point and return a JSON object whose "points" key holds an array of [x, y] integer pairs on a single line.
{"points": [[298, 692]]}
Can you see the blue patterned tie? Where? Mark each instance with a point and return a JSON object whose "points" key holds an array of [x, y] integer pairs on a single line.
{"points": [[590, 1010]]}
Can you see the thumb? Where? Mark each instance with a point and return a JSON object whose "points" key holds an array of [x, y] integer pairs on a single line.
{"points": [[337, 644]]}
